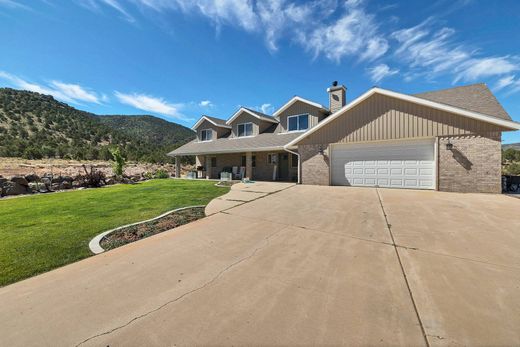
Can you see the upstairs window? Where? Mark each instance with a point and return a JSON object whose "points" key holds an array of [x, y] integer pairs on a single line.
{"points": [[245, 129], [298, 123], [206, 135]]}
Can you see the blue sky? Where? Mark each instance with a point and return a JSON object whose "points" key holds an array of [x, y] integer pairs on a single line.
{"points": [[178, 59]]}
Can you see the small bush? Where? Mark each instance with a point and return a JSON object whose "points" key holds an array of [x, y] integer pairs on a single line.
{"points": [[161, 174], [118, 165], [148, 175]]}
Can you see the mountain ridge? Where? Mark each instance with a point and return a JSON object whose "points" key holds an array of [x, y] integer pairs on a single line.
{"points": [[34, 125]]}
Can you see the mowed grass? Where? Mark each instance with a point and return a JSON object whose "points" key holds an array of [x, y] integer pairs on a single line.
{"points": [[42, 232]]}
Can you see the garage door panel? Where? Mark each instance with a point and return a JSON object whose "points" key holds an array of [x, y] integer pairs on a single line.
{"points": [[399, 164]]}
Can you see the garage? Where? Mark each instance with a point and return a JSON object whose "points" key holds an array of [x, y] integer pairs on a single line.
{"points": [[392, 164]]}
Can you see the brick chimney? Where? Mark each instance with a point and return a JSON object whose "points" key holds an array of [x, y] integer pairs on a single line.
{"points": [[337, 96]]}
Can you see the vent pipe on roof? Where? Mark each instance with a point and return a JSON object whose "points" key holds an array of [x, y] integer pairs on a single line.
{"points": [[337, 96]]}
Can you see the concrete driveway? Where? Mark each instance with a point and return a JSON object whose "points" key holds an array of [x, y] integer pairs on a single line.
{"points": [[300, 266]]}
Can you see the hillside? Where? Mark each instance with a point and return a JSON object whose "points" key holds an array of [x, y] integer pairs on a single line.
{"points": [[511, 145], [33, 126]]}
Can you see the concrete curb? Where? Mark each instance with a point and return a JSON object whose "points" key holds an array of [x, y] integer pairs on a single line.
{"points": [[95, 246]]}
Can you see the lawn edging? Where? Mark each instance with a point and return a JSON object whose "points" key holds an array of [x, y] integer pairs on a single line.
{"points": [[95, 244]]}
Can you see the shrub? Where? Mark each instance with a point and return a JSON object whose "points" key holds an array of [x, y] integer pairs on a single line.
{"points": [[161, 174], [513, 169], [118, 165]]}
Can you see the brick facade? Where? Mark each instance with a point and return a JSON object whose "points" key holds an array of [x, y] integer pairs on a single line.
{"points": [[473, 165], [315, 166]]}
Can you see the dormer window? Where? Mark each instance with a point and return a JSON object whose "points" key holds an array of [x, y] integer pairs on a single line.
{"points": [[298, 123], [206, 135], [245, 129]]}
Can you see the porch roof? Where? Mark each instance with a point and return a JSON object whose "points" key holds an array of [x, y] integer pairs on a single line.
{"points": [[258, 143]]}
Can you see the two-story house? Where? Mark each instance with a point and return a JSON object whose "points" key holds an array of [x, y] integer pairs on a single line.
{"points": [[445, 140]]}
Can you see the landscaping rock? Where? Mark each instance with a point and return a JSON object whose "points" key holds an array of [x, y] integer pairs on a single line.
{"points": [[55, 186], [76, 184], [110, 181], [125, 180], [2, 181], [67, 179], [47, 182], [32, 178], [65, 185], [35, 186], [57, 179], [20, 180], [13, 188]]}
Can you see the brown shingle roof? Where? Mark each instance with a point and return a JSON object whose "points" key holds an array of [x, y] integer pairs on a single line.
{"points": [[475, 97], [217, 120], [264, 141]]}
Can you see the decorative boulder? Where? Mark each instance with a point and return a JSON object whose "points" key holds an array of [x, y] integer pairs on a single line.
{"points": [[20, 180], [65, 185], [55, 186], [32, 178], [13, 188], [76, 184], [110, 181], [67, 179], [2, 181]]}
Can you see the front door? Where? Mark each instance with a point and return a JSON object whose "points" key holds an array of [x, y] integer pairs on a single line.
{"points": [[284, 167]]}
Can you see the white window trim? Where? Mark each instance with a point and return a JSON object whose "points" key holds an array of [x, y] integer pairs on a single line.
{"points": [[244, 124], [299, 130], [203, 130]]}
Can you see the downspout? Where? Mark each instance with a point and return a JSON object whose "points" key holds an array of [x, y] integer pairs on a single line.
{"points": [[299, 164]]}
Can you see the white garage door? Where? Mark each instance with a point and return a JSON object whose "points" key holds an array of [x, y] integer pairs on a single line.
{"points": [[395, 164]]}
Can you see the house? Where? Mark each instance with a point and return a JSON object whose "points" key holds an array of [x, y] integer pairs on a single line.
{"points": [[448, 140]]}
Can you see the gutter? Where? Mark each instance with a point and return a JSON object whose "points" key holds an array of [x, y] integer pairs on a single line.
{"points": [[299, 163]]}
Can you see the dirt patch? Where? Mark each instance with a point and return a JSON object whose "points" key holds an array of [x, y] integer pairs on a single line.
{"points": [[140, 231], [60, 167]]}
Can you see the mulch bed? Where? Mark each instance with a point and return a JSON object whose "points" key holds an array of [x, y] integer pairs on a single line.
{"points": [[141, 231]]}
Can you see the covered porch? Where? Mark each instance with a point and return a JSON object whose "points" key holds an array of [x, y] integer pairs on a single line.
{"points": [[261, 166]]}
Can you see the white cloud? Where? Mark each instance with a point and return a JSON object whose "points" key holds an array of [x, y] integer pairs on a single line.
{"points": [[266, 108], [509, 83], [353, 34], [13, 4], [94, 5], [152, 104], [67, 92], [311, 24], [378, 72], [487, 67], [429, 52], [205, 103]]}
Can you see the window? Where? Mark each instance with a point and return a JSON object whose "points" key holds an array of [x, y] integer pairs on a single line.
{"points": [[253, 159], [206, 135], [294, 160], [272, 158], [213, 161], [298, 123], [245, 129]]}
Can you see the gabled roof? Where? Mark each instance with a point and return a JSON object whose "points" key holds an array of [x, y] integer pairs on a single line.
{"points": [[215, 121], [410, 98], [253, 113], [474, 97], [295, 99]]}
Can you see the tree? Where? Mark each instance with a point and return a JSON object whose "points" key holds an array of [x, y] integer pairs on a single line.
{"points": [[119, 162], [510, 154]]}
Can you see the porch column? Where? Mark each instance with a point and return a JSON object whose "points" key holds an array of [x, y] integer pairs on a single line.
{"points": [[177, 167], [207, 161], [249, 165]]}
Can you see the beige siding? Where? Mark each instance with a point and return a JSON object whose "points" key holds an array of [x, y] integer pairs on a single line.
{"points": [[299, 107], [217, 131], [384, 118], [245, 118]]}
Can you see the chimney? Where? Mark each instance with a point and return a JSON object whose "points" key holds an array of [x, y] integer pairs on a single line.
{"points": [[337, 96]]}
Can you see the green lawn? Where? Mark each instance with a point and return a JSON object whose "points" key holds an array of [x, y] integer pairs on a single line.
{"points": [[42, 232]]}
